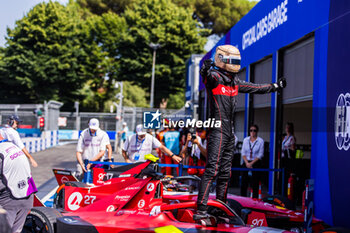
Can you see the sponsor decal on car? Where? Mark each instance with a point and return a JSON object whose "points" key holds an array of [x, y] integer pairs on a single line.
{"points": [[141, 203], [64, 179], [110, 208], [74, 201], [150, 187]]}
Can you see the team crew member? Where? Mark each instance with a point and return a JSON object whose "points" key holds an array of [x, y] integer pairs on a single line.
{"points": [[223, 85], [91, 146], [16, 184], [107, 157], [288, 161], [140, 144], [252, 153], [10, 133], [171, 141]]}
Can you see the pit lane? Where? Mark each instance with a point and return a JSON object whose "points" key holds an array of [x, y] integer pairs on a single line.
{"points": [[61, 156]]}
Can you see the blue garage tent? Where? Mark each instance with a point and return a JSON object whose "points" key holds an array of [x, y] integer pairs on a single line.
{"points": [[307, 42]]}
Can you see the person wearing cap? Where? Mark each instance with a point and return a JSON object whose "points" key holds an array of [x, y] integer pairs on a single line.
{"points": [[10, 133], [171, 140], [16, 184], [91, 145], [122, 134], [138, 145]]}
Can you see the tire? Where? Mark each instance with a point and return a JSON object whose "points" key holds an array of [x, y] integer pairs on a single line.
{"points": [[279, 200], [236, 206], [41, 219], [58, 201]]}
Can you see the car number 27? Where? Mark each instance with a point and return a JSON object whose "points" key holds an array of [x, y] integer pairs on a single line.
{"points": [[89, 199]]}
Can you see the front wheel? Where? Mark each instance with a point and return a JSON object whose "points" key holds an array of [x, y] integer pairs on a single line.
{"points": [[41, 219]]}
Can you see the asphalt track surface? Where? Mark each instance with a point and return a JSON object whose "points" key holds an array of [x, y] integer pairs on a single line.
{"points": [[61, 156]]}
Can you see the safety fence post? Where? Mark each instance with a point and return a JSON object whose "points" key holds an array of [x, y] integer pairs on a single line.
{"points": [[259, 197], [283, 181], [180, 169]]}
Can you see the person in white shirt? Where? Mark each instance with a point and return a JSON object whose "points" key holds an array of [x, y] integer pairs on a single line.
{"points": [[16, 184], [252, 154], [107, 157], [10, 133], [122, 135], [194, 147], [91, 145], [288, 160], [138, 145]]}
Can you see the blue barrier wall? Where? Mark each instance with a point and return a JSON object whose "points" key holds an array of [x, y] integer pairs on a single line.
{"points": [[29, 132], [338, 120]]}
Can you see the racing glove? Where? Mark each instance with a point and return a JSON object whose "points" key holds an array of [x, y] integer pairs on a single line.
{"points": [[205, 67], [280, 84]]}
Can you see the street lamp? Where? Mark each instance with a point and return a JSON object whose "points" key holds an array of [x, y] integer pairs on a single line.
{"points": [[154, 47], [118, 111]]}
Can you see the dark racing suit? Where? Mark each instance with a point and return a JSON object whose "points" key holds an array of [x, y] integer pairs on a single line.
{"points": [[222, 88]]}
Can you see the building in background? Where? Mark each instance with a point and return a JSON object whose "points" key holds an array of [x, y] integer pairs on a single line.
{"points": [[307, 42]]}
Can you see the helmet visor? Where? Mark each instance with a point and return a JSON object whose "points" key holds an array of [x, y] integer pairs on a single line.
{"points": [[234, 60]]}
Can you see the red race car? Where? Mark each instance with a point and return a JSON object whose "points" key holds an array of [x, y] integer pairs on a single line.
{"points": [[138, 190]]}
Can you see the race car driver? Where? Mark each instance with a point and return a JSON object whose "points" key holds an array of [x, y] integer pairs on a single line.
{"points": [[222, 86]]}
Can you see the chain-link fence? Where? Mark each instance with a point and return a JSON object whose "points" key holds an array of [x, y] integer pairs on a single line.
{"points": [[50, 111], [30, 114], [108, 121], [24, 111]]}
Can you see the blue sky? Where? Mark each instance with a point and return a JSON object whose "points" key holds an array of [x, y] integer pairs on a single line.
{"points": [[12, 10]]}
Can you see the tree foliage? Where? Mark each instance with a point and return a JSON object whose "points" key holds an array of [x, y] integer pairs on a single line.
{"points": [[104, 35], [67, 53], [218, 16], [134, 96], [176, 100], [221, 15], [54, 50], [162, 22], [100, 7], [44, 58]]}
